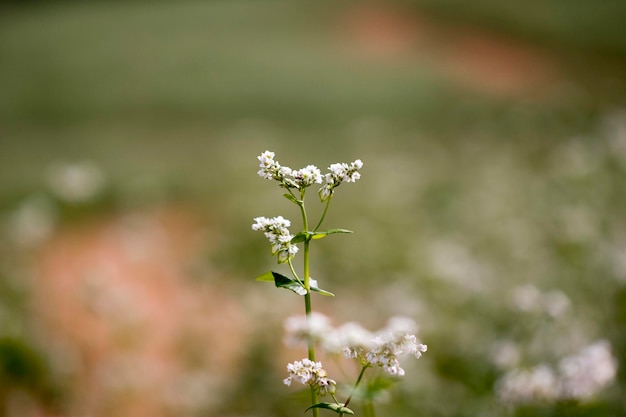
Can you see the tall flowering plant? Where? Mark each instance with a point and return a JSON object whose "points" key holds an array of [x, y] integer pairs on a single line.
{"points": [[381, 349]]}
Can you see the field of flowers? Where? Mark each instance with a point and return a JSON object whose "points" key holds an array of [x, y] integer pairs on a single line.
{"points": [[490, 208]]}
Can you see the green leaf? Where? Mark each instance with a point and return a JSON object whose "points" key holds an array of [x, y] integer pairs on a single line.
{"points": [[266, 277], [300, 237], [336, 407], [321, 291], [292, 198], [282, 281], [320, 235]]}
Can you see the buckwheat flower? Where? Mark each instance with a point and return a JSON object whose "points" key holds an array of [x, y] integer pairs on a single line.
{"points": [[339, 172], [272, 170], [312, 374], [307, 176], [298, 329], [401, 324], [277, 232], [586, 373], [533, 385], [269, 167], [388, 347], [351, 339]]}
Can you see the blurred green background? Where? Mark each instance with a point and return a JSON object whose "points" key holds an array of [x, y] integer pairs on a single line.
{"points": [[490, 209]]}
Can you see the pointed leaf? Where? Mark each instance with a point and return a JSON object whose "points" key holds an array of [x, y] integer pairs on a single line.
{"points": [[266, 277], [292, 198], [321, 291], [282, 281], [300, 237], [320, 235], [336, 407]]}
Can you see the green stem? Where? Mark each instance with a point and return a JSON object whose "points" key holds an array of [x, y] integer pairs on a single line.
{"points": [[293, 271], [356, 384], [323, 214], [307, 303], [368, 409]]}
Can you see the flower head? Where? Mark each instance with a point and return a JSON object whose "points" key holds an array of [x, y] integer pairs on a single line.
{"points": [[288, 178], [277, 232], [298, 329], [310, 373], [393, 342], [338, 173]]}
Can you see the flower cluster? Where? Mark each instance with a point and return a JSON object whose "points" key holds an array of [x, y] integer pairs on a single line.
{"points": [[578, 377], [309, 175], [298, 328], [277, 232], [289, 178], [340, 172], [310, 373], [387, 349], [381, 349]]}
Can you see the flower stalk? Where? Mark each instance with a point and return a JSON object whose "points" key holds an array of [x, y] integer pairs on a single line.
{"points": [[381, 350]]}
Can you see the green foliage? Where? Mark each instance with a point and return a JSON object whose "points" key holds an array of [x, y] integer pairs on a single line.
{"points": [[282, 281], [337, 408]]}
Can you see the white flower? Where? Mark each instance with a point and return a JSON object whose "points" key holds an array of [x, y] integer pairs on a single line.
{"points": [[307, 176], [269, 167], [339, 172], [289, 178], [76, 182], [386, 353], [391, 344], [579, 376], [310, 373], [351, 339], [298, 328], [277, 232], [527, 386], [584, 374]]}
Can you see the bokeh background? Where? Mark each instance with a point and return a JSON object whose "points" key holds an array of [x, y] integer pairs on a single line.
{"points": [[491, 208]]}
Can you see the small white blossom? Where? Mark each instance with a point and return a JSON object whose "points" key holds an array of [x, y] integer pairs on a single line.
{"points": [[339, 172], [277, 232], [77, 182], [389, 347], [310, 373], [307, 176], [269, 168], [298, 328], [289, 178], [527, 386], [584, 374], [351, 339], [579, 376]]}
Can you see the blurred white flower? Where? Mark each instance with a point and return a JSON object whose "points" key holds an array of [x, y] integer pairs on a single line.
{"points": [[297, 329], [351, 339], [586, 373], [555, 303], [32, 222], [76, 182], [580, 377], [528, 386], [388, 347], [505, 354], [529, 298]]}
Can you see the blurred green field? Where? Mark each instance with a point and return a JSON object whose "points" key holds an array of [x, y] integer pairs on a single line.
{"points": [[479, 188]]}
